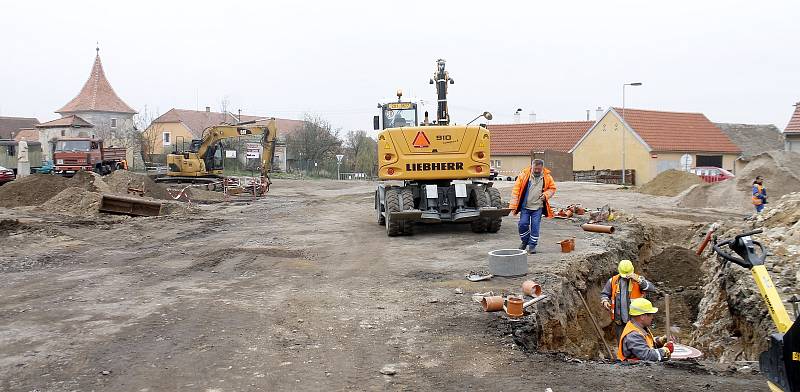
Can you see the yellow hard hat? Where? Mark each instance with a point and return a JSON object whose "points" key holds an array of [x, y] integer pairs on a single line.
{"points": [[640, 306], [625, 267]]}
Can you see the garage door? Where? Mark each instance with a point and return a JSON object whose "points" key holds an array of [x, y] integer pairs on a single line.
{"points": [[709, 160]]}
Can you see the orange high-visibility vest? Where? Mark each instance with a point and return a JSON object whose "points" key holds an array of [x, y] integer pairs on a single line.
{"points": [[630, 327], [757, 200], [634, 291]]}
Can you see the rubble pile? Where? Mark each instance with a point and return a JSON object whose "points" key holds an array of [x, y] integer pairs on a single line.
{"points": [[74, 201], [670, 183], [781, 172], [733, 322]]}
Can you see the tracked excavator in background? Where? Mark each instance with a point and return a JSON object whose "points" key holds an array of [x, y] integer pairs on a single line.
{"points": [[433, 172], [201, 162], [781, 362]]}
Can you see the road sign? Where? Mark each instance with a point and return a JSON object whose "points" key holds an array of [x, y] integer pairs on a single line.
{"points": [[230, 153], [339, 157]]}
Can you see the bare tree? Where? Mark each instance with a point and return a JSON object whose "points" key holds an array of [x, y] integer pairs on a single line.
{"points": [[147, 141], [360, 151], [315, 141]]}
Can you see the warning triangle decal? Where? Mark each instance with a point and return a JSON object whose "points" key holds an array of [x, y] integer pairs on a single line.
{"points": [[421, 141]]}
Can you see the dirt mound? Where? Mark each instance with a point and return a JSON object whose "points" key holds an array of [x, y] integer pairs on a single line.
{"points": [[89, 181], [120, 180], [723, 195], [780, 169], [74, 201], [670, 183], [31, 190]]}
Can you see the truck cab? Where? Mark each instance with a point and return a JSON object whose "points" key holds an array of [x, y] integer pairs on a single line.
{"points": [[71, 155]]}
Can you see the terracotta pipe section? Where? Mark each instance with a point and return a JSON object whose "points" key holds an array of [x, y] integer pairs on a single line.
{"points": [[514, 307], [598, 228], [567, 245], [531, 288], [492, 304]]}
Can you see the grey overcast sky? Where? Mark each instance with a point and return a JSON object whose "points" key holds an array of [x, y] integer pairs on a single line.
{"points": [[735, 61]]}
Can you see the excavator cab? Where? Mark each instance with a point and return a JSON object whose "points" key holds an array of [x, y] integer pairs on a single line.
{"points": [[396, 114], [781, 362]]}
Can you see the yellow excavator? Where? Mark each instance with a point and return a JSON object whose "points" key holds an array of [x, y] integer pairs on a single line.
{"points": [[444, 168], [781, 362], [202, 162]]}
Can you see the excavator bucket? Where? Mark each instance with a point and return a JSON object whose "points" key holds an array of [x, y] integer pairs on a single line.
{"points": [[129, 206]]}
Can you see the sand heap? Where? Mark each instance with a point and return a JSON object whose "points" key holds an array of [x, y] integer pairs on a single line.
{"points": [[670, 183], [781, 171], [81, 194]]}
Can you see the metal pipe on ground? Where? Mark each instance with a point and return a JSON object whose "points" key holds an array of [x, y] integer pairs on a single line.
{"points": [[597, 228]]}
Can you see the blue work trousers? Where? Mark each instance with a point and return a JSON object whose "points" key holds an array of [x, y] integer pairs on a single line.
{"points": [[529, 221]]}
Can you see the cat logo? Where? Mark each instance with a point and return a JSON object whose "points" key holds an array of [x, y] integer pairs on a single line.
{"points": [[421, 141]]}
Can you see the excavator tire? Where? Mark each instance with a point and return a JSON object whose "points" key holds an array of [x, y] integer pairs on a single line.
{"points": [[496, 201], [481, 199], [407, 203], [393, 205], [379, 209]]}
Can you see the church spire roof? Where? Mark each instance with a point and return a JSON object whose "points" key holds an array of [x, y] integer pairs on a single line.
{"points": [[96, 94]]}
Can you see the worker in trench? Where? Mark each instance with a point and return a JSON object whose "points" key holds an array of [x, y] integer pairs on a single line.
{"points": [[620, 290], [530, 198], [637, 342], [759, 194]]}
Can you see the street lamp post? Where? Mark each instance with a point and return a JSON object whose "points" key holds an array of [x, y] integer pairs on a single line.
{"points": [[623, 128]]}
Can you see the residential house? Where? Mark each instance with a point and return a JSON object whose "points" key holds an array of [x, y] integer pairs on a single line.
{"points": [[11, 126], [792, 131], [513, 145], [652, 141], [752, 139]]}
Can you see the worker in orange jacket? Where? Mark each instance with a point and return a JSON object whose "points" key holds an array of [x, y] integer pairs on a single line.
{"points": [[759, 194], [620, 290], [637, 342], [530, 198]]}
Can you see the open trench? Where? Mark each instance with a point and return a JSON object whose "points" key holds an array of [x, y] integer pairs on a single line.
{"points": [[662, 255]]}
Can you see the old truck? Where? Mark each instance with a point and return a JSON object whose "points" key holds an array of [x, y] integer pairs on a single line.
{"points": [[433, 172], [71, 155]]}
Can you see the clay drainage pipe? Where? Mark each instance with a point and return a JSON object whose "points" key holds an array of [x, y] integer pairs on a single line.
{"points": [[492, 304], [598, 228], [531, 288], [514, 307]]}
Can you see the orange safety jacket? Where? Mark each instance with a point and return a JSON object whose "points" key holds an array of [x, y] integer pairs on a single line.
{"points": [[520, 190], [758, 192], [630, 327], [634, 291]]}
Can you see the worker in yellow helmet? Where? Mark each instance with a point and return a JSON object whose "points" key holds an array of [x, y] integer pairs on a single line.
{"points": [[618, 292], [637, 342]]}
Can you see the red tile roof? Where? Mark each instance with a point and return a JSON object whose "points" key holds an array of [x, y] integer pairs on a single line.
{"points": [[520, 139], [30, 135], [67, 121], [678, 132], [96, 95], [10, 125], [197, 120], [794, 122]]}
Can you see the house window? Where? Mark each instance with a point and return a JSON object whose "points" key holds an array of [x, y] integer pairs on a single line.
{"points": [[496, 163], [63, 132], [167, 137], [113, 123]]}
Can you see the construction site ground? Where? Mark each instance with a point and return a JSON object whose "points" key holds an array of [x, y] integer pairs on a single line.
{"points": [[300, 290]]}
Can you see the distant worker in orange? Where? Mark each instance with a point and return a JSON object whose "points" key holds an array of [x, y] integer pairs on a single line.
{"points": [[637, 342], [759, 194], [618, 292], [530, 198]]}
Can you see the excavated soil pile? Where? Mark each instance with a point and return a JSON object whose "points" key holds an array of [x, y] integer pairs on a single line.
{"points": [[781, 221], [780, 169], [74, 201], [38, 188], [670, 183], [120, 180]]}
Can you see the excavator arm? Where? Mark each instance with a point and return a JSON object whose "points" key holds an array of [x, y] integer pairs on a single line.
{"points": [[213, 135]]}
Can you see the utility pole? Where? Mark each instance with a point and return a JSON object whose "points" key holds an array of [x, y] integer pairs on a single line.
{"points": [[623, 126]]}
